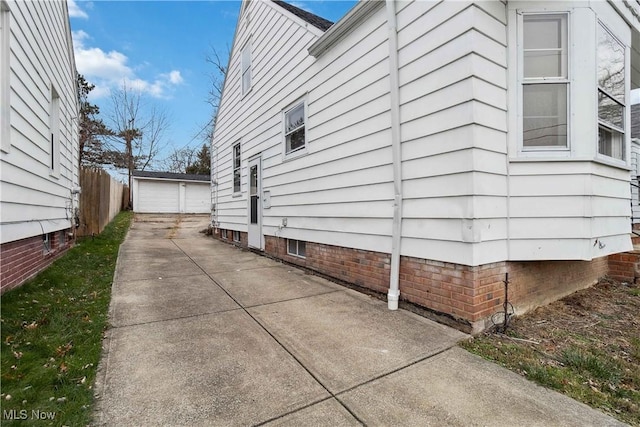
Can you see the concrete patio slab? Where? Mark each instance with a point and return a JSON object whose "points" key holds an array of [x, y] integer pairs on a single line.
{"points": [[329, 413], [456, 388], [257, 286], [346, 338], [153, 300], [221, 369]]}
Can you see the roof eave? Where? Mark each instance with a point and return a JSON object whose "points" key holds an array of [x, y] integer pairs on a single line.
{"points": [[358, 14]]}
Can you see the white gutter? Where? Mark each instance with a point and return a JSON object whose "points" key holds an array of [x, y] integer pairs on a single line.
{"points": [[394, 91]]}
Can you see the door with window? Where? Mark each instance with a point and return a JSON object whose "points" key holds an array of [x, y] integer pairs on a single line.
{"points": [[255, 207]]}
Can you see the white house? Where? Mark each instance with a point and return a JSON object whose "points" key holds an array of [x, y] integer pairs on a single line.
{"points": [[425, 149], [165, 192], [38, 137]]}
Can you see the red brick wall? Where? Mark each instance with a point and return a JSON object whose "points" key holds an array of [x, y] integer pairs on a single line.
{"points": [[623, 267], [467, 295], [23, 259]]}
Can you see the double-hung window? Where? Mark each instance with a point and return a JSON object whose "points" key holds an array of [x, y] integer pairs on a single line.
{"points": [[611, 91], [236, 168], [294, 128], [545, 82], [246, 68]]}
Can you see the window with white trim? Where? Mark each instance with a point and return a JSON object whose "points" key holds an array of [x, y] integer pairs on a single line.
{"points": [[545, 82], [246, 68], [236, 236], [297, 248], [611, 95], [223, 234], [236, 168], [295, 138]]}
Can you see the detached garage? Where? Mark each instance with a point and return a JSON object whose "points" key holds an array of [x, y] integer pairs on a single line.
{"points": [[165, 192]]}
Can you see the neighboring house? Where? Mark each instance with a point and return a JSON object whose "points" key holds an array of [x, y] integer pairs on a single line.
{"points": [[38, 137], [425, 149], [165, 192]]}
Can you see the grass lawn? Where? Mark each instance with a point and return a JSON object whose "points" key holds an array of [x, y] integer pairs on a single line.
{"points": [[52, 330], [586, 346]]}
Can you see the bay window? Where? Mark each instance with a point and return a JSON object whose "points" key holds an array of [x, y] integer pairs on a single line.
{"points": [[545, 82], [611, 95]]}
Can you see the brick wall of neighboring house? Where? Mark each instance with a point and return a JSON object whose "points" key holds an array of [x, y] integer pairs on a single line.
{"points": [[625, 267], [23, 259], [463, 296]]}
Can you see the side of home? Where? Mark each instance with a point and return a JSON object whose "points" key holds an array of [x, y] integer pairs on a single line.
{"points": [[38, 137], [437, 145]]}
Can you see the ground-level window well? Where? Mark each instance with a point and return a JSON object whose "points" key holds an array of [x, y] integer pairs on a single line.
{"points": [[297, 248]]}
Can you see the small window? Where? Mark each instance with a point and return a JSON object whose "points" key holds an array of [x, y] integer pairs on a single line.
{"points": [[297, 248], [223, 234], [545, 82], [236, 236], [236, 168], [246, 68], [294, 128], [611, 95], [54, 136]]}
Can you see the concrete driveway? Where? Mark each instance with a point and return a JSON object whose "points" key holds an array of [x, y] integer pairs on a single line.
{"points": [[204, 333]]}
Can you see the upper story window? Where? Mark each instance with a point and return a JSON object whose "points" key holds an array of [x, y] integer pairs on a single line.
{"points": [[246, 68], [294, 128], [611, 95], [236, 168], [54, 127], [545, 82]]}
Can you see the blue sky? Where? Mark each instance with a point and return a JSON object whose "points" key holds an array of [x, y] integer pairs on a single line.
{"points": [[159, 48]]}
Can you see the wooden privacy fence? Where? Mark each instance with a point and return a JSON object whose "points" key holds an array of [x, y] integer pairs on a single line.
{"points": [[101, 199]]}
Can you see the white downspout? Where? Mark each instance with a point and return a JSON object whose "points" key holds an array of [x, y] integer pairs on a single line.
{"points": [[394, 276]]}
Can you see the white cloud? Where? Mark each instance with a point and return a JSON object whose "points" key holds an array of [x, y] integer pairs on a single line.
{"points": [[175, 77], [75, 11], [110, 70]]}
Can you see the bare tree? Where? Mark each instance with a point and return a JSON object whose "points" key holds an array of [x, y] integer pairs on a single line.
{"points": [[179, 160], [138, 130], [217, 75]]}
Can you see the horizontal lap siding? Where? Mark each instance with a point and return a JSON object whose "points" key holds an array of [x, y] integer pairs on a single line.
{"points": [[452, 59], [40, 56], [568, 210], [341, 192]]}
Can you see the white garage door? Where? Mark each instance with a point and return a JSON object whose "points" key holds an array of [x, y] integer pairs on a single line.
{"points": [[158, 197], [197, 198]]}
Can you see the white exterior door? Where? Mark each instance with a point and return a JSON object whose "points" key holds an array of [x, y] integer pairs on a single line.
{"points": [[254, 213]]}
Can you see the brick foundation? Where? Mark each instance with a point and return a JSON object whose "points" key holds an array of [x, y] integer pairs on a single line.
{"points": [[243, 242], [463, 296], [23, 259]]}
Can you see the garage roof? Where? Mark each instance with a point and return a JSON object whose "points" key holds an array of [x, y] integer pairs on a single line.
{"points": [[171, 175]]}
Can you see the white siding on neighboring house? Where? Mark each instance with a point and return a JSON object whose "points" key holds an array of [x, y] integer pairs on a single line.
{"points": [[39, 128], [635, 182]]}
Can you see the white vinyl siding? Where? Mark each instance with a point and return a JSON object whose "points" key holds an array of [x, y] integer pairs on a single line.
{"points": [[39, 58], [5, 88], [471, 194]]}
